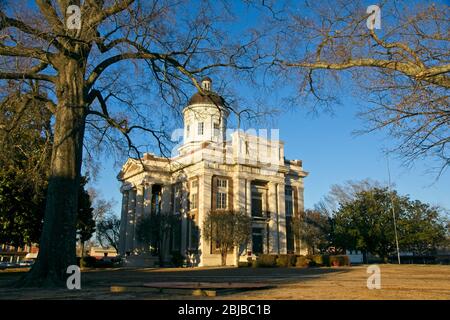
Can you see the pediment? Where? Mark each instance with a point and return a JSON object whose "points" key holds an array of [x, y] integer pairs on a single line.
{"points": [[129, 168]]}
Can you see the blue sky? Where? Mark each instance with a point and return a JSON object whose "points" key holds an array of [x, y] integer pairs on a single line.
{"points": [[331, 153]]}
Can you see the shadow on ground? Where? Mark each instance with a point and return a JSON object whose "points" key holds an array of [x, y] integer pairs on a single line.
{"points": [[96, 283]]}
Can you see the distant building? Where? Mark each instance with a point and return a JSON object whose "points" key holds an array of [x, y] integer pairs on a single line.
{"points": [[355, 256], [100, 252], [13, 254], [214, 171]]}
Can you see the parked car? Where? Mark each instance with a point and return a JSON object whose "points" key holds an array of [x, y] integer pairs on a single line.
{"points": [[26, 263], [5, 264]]}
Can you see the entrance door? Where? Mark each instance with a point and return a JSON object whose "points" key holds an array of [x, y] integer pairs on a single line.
{"points": [[257, 241]]}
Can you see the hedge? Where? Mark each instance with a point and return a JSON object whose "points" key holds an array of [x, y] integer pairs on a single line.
{"points": [[302, 261], [286, 260], [321, 260], [292, 260], [88, 262], [339, 261], [267, 261]]}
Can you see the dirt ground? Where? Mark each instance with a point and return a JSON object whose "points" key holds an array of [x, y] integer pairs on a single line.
{"points": [[397, 282]]}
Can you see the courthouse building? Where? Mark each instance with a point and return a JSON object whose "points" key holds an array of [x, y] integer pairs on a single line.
{"points": [[215, 169]]}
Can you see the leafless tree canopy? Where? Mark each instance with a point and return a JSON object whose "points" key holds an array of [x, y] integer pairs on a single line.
{"points": [[168, 45], [400, 72], [99, 67]]}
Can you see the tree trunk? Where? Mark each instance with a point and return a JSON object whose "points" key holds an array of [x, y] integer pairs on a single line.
{"points": [[82, 248], [57, 248], [237, 255], [224, 257]]}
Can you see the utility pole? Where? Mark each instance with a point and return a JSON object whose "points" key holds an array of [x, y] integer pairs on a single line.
{"points": [[393, 210]]}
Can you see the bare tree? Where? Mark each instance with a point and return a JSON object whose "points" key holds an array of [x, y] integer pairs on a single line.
{"points": [[315, 230], [341, 194], [227, 230], [84, 52], [108, 231], [402, 70]]}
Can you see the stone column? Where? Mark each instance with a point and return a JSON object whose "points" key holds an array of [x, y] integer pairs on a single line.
{"points": [[148, 200], [248, 207], [204, 206], [248, 196], [282, 218], [139, 210], [273, 222], [131, 219], [239, 200], [301, 246], [184, 211], [123, 223], [238, 193], [165, 209], [165, 199]]}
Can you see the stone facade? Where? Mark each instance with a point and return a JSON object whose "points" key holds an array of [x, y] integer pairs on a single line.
{"points": [[214, 169]]}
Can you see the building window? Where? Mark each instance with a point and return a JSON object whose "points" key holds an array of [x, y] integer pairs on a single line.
{"points": [[288, 201], [257, 240], [257, 206], [193, 197], [200, 128], [222, 183], [193, 202], [216, 129], [188, 130], [221, 193], [192, 235], [221, 200]]}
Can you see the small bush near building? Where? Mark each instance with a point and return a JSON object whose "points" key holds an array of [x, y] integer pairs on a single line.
{"points": [[267, 261], [117, 261], [88, 262], [292, 260], [339, 261], [321, 260], [282, 261], [286, 260], [244, 264], [302, 262], [103, 264], [177, 259]]}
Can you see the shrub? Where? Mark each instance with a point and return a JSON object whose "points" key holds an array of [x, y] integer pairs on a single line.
{"points": [[88, 262], [177, 259], [244, 264], [292, 259], [283, 260], [302, 261], [117, 261], [312, 263], [321, 260], [339, 260], [267, 261], [286, 260], [103, 264]]}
